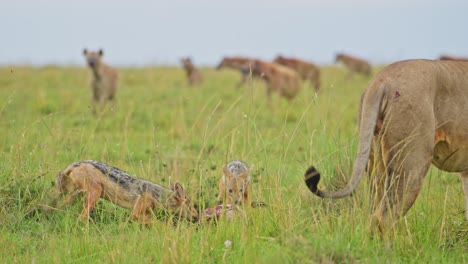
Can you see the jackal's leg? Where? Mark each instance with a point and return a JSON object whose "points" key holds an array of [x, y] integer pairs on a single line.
{"points": [[92, 196], [70, 197], [142, 211], [464, 178], [222, 191]]}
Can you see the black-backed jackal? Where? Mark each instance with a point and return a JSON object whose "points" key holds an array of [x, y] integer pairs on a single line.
{"points": [[354, 64], [234, 184], [97, 180], [193, 74], [104, 79]]}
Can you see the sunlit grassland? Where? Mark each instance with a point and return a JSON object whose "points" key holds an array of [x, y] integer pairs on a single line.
{"points": [[163, 130]]}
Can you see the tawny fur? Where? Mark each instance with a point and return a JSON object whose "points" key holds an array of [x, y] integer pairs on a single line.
{"points": [[354, 64], [307, 70], [278, 78], [193, 74], [412, 114], [97, 180], [104, 78]]}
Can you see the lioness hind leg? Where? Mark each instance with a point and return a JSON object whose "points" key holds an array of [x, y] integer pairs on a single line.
{"points": [[464, 178], [406, 160]]}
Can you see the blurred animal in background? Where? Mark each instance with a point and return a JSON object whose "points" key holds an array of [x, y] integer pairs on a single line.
{"points": [[307, 70], [242, 64], [449, 57], [104, 79], [97, 180], [354, 64], [283, 80], [193, 74]]}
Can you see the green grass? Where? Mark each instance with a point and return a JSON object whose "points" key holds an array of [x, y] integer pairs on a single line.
{"points": [[160, 129]]}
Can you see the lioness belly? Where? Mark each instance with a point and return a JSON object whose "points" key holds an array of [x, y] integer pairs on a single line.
{"points": [[451, 157]]}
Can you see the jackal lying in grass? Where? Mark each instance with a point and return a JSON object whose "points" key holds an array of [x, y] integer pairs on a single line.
{"points": [[234, 184], [98, 180]]}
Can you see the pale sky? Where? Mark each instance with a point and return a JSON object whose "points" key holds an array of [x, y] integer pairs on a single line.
{"points": [[138, 32]]}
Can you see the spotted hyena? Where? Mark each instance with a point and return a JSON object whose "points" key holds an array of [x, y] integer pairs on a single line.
{"points": [[456, 58], [354, 65], [104, 79], [307, 70], [278, 78], [193, 74], [242, 64]]}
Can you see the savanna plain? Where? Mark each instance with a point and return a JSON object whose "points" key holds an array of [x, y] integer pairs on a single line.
{"points": [[162, 130]]}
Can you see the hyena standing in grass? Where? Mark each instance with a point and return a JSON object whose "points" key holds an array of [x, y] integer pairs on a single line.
{"points": [[104, 78], [307, 70], [234, 184], [278, 78], [243, 64], [98, 180], [193, 74], [354, 65]]}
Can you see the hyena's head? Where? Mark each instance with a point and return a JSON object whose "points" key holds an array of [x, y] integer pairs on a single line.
{"points": [[187, 62], [260, 68], [222, 64], [181, 205], [339, 57], [279, 59], [93, 58], [236, 186]]}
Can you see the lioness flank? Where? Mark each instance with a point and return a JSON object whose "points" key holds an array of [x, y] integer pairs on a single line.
{"points": [[412, 114]]}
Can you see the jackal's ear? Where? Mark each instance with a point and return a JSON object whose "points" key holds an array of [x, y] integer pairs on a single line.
{"points": [[178, 189], [85, 51], [226, 171], [246, 173], [101, 52]]}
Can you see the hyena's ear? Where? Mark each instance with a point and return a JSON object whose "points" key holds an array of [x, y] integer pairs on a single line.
{"points": [[85, 51], [178, 189], [101, 52], [226, 171]]}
